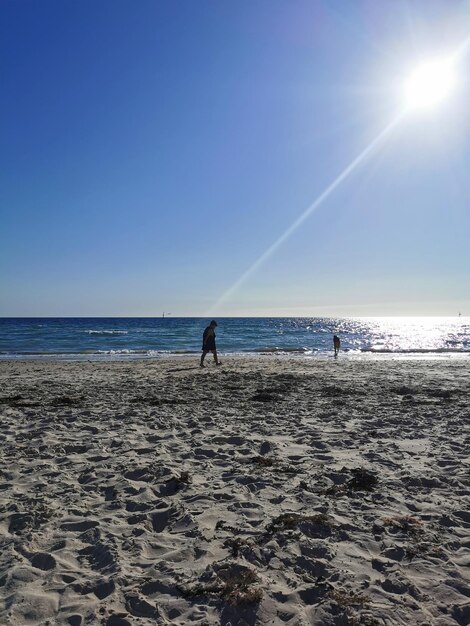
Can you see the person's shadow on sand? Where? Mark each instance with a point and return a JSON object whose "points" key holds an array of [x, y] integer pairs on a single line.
{"points": [[184, 369]]}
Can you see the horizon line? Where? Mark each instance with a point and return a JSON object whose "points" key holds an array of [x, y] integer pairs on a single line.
{"points": [[458, 315]]}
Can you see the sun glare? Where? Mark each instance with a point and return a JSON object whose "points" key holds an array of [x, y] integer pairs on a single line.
{"points": [[429, 84]]}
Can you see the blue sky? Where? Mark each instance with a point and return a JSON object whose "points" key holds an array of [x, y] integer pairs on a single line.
{"points": [[152, 151]]}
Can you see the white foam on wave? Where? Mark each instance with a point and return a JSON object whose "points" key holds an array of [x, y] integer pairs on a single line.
{"points": [[283, 350], [106, 332]]}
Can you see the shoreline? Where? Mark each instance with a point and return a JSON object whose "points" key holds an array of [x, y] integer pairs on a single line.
{"points": [[154, 355], [269, 490]]}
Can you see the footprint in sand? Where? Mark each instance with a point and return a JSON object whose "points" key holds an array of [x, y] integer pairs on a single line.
{"points": [[160, 520], [20, 522], [100, 557], [117, 620], [138, 607], [80, 526], [101, 588], [43, 560]]}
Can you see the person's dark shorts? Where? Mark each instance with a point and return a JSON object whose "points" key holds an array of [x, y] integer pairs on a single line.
{"points": [[209, 346]]}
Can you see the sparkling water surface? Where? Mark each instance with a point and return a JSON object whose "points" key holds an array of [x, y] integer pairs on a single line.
{"points": [[115, 338]]}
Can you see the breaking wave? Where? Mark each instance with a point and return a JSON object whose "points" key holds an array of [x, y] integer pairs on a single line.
{"points": [[283, 350], [106, 332]]}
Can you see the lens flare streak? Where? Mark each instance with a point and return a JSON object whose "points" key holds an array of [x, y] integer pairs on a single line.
{"points": [[311, 209]]}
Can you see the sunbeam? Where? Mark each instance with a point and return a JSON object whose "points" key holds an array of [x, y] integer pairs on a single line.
{"points": [[311, 209]]}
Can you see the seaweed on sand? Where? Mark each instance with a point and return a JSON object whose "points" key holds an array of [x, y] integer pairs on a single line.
{"points": [[291, 521], [406, 523], [233, 583], [361, 480], [263, 461], [236, 544], [348, 598]]}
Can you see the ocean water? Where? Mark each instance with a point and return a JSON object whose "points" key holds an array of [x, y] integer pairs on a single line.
{"points": [[123, 338]]}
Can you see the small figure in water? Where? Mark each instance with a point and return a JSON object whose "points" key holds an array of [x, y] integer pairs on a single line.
{"points": [[336, 344], [208, 343]]}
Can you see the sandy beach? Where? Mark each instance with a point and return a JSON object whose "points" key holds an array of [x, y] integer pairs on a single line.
{"points": [[271, 490]]}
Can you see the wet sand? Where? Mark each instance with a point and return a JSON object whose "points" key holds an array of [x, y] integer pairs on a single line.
{"points": [[267, 491]]}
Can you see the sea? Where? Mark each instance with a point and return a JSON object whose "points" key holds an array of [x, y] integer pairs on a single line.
{"points": [[122, 338]]}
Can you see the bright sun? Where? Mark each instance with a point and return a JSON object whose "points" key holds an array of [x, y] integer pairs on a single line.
{"points": [[429, 84]]}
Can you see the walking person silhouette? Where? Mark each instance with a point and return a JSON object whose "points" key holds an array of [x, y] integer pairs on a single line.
{"points": [[208, 343], [336, 344]]}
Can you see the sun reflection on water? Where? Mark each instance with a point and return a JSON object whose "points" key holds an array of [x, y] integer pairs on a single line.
{"points": [[415, 334]]}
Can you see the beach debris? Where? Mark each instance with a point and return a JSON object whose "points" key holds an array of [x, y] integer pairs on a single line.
{"points": [[263, 461], [345, 598], [274, 464], [236, 544], [316, 524], [406, 523], [417, 540], [222, 525], [361, 480], [424, 548], [235, 583]]}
